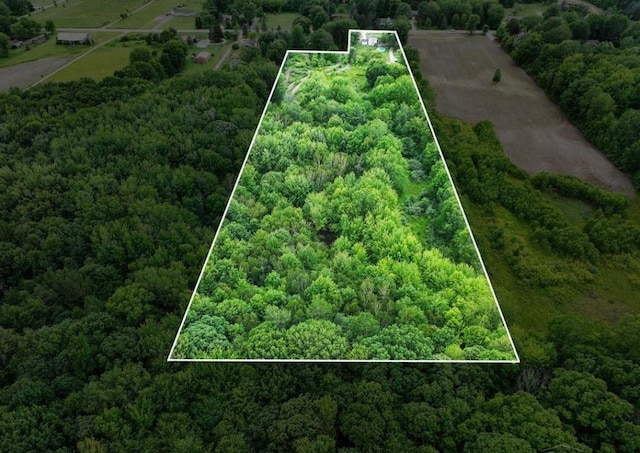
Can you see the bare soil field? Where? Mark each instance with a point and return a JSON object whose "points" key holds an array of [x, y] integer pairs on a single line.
{"points": [[536, 135], [24, 74]]}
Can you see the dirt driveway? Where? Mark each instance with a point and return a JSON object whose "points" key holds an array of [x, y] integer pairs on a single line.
{"points": [[534, 132], [24, 74]]}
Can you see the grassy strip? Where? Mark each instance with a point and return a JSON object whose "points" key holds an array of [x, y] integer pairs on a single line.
{"points": [[87, 13], [283, 20], [152, 15], [49, 48]]}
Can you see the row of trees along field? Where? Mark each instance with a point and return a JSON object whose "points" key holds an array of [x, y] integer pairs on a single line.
{"points": [[107, 220], [590, 65], [333, 245]]}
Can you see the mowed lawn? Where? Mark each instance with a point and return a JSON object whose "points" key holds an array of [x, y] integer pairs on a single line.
{"points": [[51, 49], [86, 13], [97, 65], [180, 23], [284, 20], [148, 17], [45, 50], [216, 53]]}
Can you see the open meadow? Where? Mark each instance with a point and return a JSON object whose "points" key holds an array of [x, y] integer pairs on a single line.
{"points": [[282, 20], [535, 134], [86, 13], [154, 15], [96, 65]]}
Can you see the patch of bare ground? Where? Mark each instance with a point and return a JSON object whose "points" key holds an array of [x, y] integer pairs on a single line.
{"points": [[25, 74], [536, 135]]}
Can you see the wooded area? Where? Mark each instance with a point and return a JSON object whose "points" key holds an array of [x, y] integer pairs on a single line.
{"points": [[111, 193], [344, 238]]}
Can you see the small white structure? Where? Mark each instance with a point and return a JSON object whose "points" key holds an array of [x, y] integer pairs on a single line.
{"points": [[370, 41]]}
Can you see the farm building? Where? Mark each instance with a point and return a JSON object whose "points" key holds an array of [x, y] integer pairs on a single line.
{"points": [[385, 22], [15, 43], [203, 57], [74, 38]]}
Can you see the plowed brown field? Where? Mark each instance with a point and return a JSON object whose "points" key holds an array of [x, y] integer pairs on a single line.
{"points": [[534, 132]]}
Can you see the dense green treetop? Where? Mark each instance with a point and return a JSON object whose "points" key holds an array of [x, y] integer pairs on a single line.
{"points": [[99, 251], [318, 230]]}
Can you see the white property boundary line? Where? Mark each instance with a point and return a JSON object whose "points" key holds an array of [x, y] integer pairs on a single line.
{"points": [[224, 215]]}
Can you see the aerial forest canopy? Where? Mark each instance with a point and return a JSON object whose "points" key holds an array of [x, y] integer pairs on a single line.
{"points": [[344, 239], [111, 193]]}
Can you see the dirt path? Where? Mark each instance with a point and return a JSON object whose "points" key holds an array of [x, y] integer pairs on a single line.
{"points": [[294, 89], [24, 74], [534, 132]]}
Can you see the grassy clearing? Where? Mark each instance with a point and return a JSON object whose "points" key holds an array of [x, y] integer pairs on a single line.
{"points": [[51, 49], [45, 50], [97, 65], [284, 20], [611, 290], [86, 13], [216, 53], [180, 23], [152, 16], [576, 211], [525, 9]]}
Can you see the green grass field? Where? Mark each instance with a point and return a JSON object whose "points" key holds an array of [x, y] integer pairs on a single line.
{"points": [[610, 292], [146, 17], [93, 65], [97, 65], [51, 49], [86, 13], [216, 54], [181, 23], [45, 50], [284, 20]]}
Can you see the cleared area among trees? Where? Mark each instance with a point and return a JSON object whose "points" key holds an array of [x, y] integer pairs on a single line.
{"points": [[535, 134]]}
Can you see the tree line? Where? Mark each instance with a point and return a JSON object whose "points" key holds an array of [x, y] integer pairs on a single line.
{"points": [[601, 74]]}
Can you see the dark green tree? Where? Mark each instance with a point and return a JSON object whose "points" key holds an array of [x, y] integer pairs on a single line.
{"points": [[173, 57]]}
